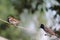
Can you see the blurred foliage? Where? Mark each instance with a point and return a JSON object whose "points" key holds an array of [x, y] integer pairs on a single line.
{"points": [[14, 8], [21, 4], [57, 8], [11, 33], [6, 30], [6, 9], [58, 1]]}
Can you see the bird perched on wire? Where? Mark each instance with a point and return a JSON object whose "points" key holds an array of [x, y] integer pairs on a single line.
{"points": [[13, 20], [53, 35], [48, 30]]}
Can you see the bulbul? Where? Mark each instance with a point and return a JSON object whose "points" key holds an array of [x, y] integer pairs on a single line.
{"points": [[48, 30]]}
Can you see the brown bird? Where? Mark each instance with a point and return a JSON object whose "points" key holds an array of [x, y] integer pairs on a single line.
{"points": [[48, 30], [13, 21]]}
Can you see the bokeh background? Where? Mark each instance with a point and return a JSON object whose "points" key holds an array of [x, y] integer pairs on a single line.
{"points": [[31, 13]]}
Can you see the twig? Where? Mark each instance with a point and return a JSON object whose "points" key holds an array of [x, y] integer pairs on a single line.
{"points": [[11, 24], [4, 21]]}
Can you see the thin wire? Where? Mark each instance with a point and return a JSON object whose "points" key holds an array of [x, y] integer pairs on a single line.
{"points": [[4, 21], [11, 24]]}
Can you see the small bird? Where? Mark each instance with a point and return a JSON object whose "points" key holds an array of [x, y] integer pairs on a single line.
{"points": [[13, 21], [48, 30]]}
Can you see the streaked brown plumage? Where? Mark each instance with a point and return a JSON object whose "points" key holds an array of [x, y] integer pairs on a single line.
{"points": [[13, 21], [48, 30]]}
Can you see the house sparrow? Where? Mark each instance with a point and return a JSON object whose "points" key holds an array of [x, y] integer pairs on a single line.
{"points": [[13, 21]]}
